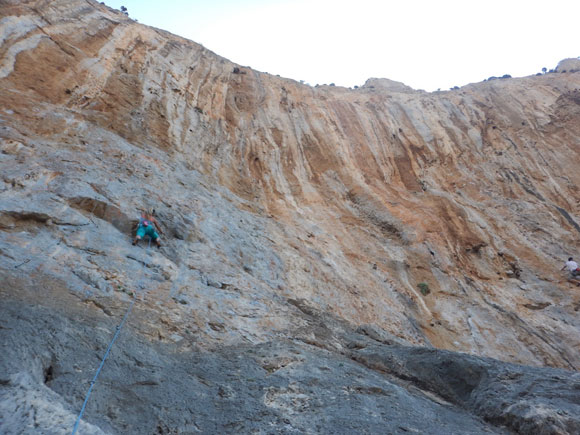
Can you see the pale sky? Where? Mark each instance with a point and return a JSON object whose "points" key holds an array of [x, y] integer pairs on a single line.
{"points": [[424, 44]]}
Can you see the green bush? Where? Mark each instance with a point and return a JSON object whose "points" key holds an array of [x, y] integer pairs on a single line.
{"points": [[424, 287]]}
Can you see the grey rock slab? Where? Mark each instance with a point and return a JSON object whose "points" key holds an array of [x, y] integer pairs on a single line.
{"points": [[148, 386], [28, 406], [525, 399], [41, 208]]}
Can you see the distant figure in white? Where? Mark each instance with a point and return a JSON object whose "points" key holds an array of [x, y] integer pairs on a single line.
{"points": [[573, 269]]}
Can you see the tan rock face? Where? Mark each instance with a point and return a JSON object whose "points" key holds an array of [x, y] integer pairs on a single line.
{"points": [[443, 218], [568, 65]]}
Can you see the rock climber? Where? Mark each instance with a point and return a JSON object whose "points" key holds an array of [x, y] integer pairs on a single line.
{"points": [[573, 268], [148, 226]]}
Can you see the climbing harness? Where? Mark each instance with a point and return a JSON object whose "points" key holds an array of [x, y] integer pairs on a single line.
{"points": [[118, 330], [144, 222]]}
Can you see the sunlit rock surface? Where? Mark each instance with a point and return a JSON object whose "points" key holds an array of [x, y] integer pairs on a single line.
{"points": [[310, 234]]}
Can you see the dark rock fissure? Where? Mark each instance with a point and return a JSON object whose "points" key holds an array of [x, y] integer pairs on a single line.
{"points": [[568, 218]]}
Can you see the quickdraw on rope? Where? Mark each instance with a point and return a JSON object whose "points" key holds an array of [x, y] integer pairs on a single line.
{"points": [[118, 330]]}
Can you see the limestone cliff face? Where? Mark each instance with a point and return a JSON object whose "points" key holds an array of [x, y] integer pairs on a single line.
{"points": [[351, 197], [278, 198]]}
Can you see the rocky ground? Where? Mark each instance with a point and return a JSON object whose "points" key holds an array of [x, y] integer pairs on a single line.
{"points": [[322, 246], [326, 378]]}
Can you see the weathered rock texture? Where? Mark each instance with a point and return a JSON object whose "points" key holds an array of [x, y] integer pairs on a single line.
{"points": [[313, 236]]}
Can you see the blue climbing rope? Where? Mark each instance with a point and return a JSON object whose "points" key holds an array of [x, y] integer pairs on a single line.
{"points": [[118, 330], [101, 366]]}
